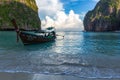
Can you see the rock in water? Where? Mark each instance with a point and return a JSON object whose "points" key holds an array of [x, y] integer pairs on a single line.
{"points": [[24, 11], [104, 17]]}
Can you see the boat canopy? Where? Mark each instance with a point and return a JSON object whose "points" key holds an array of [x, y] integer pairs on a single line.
{"points": [[50, 29]]}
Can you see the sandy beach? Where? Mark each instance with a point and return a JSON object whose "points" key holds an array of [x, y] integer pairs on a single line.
{"points": [[28, 76]]}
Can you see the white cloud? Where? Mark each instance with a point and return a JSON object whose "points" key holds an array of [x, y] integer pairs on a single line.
{"points": [[64, 22], [52, 14], [49, 7], [96, 0]]}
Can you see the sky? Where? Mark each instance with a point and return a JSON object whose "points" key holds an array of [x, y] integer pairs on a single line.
{"points": [[65, 15]]}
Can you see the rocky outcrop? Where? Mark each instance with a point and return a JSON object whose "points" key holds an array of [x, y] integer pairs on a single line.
{"points": [[104, 17], [25, 12]]}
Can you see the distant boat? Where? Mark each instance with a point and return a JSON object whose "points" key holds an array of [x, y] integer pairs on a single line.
{"points": [[40, 36]]}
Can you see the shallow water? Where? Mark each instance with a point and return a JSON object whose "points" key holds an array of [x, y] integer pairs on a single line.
{"points": [[81, 54]]}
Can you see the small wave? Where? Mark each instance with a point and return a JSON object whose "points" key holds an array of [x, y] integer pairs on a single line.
{"points": [[72, 64], [67, 64], [12, 71], [109, 77], [76, 64]]}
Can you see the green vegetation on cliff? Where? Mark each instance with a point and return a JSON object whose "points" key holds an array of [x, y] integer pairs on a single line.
{"points": [[24, 11], [104, 17]]}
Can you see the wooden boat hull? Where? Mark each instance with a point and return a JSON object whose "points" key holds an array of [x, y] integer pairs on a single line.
{"points": [[28, 38], [34, 37]]}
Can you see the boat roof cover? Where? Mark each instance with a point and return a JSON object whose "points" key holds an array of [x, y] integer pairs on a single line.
{"points": [[50, 28]]}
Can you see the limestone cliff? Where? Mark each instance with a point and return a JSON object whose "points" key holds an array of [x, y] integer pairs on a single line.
{"points": [[104, 17], [24, 11]]}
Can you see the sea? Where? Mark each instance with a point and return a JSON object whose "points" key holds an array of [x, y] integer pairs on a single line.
{"points": [[90, 55]]}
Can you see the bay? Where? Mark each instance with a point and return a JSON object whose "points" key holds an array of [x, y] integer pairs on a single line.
{"points": [[81, 54]]}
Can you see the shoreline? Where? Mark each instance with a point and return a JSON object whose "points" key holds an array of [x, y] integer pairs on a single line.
{"points": [[30, 76]]}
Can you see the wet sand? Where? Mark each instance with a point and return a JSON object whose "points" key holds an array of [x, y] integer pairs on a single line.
{"points": [[27, 76]]}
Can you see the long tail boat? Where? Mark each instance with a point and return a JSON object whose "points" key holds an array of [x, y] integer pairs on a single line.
{"points": [[40, 36]]}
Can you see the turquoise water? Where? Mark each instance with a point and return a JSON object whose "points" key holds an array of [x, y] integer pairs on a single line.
{"points": [[80, 54]]}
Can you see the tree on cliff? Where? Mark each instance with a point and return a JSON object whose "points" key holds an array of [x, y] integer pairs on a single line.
{"points": [[104, 17], [24, 11]]}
